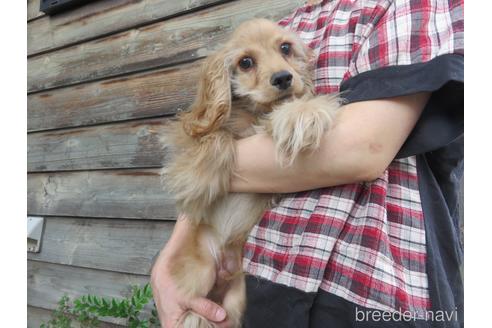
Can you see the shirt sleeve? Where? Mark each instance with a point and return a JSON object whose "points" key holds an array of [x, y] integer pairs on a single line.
{"points": [[409, 47]]}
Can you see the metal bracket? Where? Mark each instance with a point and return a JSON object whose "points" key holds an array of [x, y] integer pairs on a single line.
{"points": [[34, 233]]}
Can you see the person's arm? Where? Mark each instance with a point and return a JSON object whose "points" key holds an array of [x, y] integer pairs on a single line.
{"points": [[364, 140]]}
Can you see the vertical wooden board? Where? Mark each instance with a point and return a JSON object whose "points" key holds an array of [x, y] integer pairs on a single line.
{"points": [[156, 93], [33, 10], [132, 194], [100, 18], [167, 43], [47, 283], [83, 242], [124, 145]]}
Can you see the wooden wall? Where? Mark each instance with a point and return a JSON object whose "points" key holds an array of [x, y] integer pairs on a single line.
{"points": [[102, 80]]}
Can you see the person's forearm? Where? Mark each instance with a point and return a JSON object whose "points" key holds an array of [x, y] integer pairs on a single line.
{"points": [[258, 170], [365, 138]]}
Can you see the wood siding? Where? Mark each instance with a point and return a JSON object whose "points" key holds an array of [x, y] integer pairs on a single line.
{"points": [[103, 79]]}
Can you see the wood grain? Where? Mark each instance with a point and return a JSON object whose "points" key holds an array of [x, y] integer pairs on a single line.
{"points": [[86, 242], [132, 194], [133, 144], [47, 283], [166, 43], [155, 93], [102, 18]]}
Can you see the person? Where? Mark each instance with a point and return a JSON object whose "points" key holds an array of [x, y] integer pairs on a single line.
{"points": [[367, 233]]}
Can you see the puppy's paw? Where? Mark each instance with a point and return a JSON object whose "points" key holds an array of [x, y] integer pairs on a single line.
{"points": [[299, 125]]}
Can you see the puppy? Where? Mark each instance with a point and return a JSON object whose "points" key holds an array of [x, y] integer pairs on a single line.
{"points": [[261, 80]]}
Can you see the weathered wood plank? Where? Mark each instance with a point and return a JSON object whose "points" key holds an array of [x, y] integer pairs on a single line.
{"points": [[133, 144], [84, 242], [131, 194], [33, 10], [161, 44], [154, 93], [102, 18], [36, 316], [47, 283]]}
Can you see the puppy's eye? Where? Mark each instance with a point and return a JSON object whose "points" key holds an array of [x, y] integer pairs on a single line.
{"points": [[246, 63], [286, 48]]}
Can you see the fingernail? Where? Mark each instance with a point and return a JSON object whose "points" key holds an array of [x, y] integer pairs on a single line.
{"points": [[220, 314]]}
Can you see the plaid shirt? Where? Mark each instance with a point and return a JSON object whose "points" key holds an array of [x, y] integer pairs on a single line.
{"points": [[363, 242]]}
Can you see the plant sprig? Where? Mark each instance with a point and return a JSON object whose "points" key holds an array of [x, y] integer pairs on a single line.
{"points": [[88, 309]]}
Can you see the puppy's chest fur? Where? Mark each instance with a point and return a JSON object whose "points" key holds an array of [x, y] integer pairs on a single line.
{"points": [[247, 118]]}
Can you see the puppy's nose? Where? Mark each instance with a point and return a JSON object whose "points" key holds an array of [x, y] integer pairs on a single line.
{"points": [[281, 80]]}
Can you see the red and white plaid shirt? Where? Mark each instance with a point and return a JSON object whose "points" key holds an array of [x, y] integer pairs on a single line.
{"points": [[363, 242]]}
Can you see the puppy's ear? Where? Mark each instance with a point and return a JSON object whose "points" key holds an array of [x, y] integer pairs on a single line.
{"points": [[308, 73], [306, 61], [212, 104], [310, 57]]}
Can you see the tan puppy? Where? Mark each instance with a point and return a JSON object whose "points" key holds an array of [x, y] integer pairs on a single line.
{"points": [[259, 81]]}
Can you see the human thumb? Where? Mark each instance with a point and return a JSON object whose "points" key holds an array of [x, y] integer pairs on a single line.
{"points": [[207, 309]]}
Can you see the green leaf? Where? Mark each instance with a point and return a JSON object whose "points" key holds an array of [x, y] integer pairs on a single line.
{"points": [[148, 290]]}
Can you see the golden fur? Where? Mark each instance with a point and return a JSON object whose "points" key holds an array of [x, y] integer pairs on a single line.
{"points": [[233, 103]]}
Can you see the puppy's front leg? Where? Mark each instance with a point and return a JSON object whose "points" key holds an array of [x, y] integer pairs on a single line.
{"points": [[299, 125]]}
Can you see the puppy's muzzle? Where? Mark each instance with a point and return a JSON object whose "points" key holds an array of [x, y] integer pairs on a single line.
{"points": [[282, 80]]}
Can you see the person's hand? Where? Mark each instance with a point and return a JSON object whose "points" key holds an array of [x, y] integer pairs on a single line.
{"points": [[171, 304]]}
